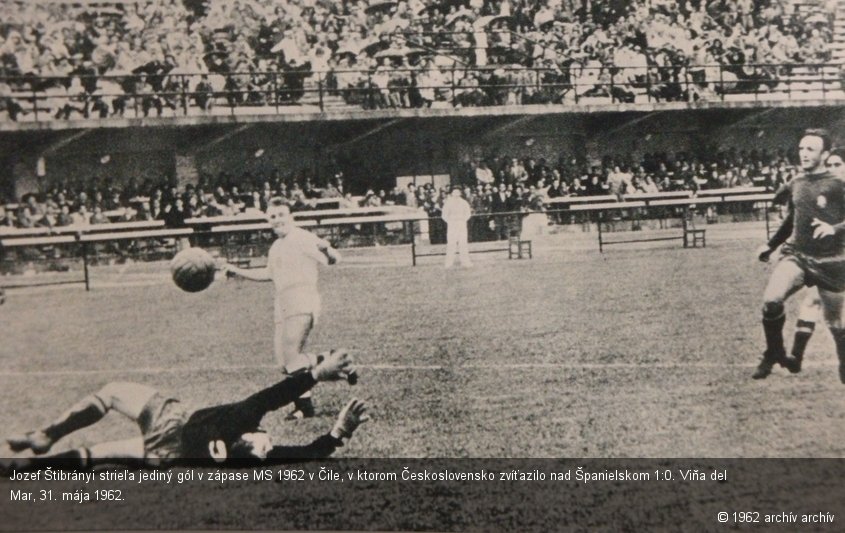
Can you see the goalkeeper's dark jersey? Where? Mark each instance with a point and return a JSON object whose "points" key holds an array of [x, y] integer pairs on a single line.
{"points": [[228, 422], [816, 196]]}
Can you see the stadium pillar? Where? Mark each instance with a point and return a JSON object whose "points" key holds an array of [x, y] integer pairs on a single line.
{"points": [[186, 170], [84, 246], [598, 223], [766, 214], [413, 250], [320, 89]]}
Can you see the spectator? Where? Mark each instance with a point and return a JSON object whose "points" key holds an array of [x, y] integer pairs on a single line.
{"points": [[64, 217], [98, 217], [6, 218], [456, 213], [483, 174], [81, 217]]}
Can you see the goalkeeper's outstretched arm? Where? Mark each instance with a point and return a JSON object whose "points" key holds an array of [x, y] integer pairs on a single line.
{"points": [[352, 416]]}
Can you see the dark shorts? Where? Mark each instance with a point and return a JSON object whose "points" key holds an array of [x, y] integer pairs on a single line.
{"points": [[161, 421], [827, 273]]}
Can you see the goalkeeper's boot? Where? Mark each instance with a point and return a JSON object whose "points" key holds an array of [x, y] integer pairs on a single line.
{"points": [[765, 366], [37, 441]]}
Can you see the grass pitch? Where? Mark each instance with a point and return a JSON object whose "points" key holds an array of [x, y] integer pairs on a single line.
{"points": [[640, 352], [644, 351]]}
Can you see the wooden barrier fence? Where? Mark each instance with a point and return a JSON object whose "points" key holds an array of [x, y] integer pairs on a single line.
{"points": [[86, 237]]}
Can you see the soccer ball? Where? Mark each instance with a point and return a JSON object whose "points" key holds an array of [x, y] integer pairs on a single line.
{"points": [[192, 269]]}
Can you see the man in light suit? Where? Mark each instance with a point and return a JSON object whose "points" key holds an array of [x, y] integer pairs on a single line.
{"points": [[456, 213]]}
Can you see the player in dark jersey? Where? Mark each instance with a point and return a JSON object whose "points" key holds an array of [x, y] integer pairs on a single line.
{"points": [[809, 312], [813, 255], [171, 432]]}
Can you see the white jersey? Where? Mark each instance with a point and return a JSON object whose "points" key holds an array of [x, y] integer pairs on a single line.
{"points": [[293, 262], [456, 210]]}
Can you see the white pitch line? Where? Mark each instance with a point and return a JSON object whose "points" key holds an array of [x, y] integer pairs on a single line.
{"points": [[175, 370], [400, 368]]}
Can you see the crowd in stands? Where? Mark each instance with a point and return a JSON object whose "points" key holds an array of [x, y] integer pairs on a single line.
{"points": [[64, 205], [510, 184], [498, 184], [155, 55]]}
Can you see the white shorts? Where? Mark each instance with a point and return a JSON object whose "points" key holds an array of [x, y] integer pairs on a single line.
{"points": [[297, 300]]}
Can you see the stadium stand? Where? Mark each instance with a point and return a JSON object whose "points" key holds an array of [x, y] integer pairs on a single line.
{"points": [[496, 184], [64, 60], [68, 60]]}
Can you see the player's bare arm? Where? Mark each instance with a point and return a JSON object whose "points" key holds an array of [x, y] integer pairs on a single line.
{"points": [[324, 253], [252, 274], [332, 255]]}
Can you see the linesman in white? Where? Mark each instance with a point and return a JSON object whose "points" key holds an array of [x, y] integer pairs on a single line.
{"points": [[456, 213], [292, 265]]}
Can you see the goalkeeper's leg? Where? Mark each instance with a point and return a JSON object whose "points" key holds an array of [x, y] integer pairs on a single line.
{"points": [[128, 399], [125, 451]]}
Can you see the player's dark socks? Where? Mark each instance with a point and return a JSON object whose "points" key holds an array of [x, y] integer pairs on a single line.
{"points": [[773, 320], [803, 332], [839, 339], [87, 411]]}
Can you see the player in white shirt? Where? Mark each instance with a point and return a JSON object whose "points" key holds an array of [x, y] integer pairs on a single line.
{"points": [[293, 266], [456, 212]]}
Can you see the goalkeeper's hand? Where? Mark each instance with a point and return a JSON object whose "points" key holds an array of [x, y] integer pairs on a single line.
{"points": [[333, 366], [764, 253], [349, 419]]}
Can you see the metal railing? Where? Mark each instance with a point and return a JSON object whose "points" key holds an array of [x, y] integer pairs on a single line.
{"points": [[139, 95]]}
